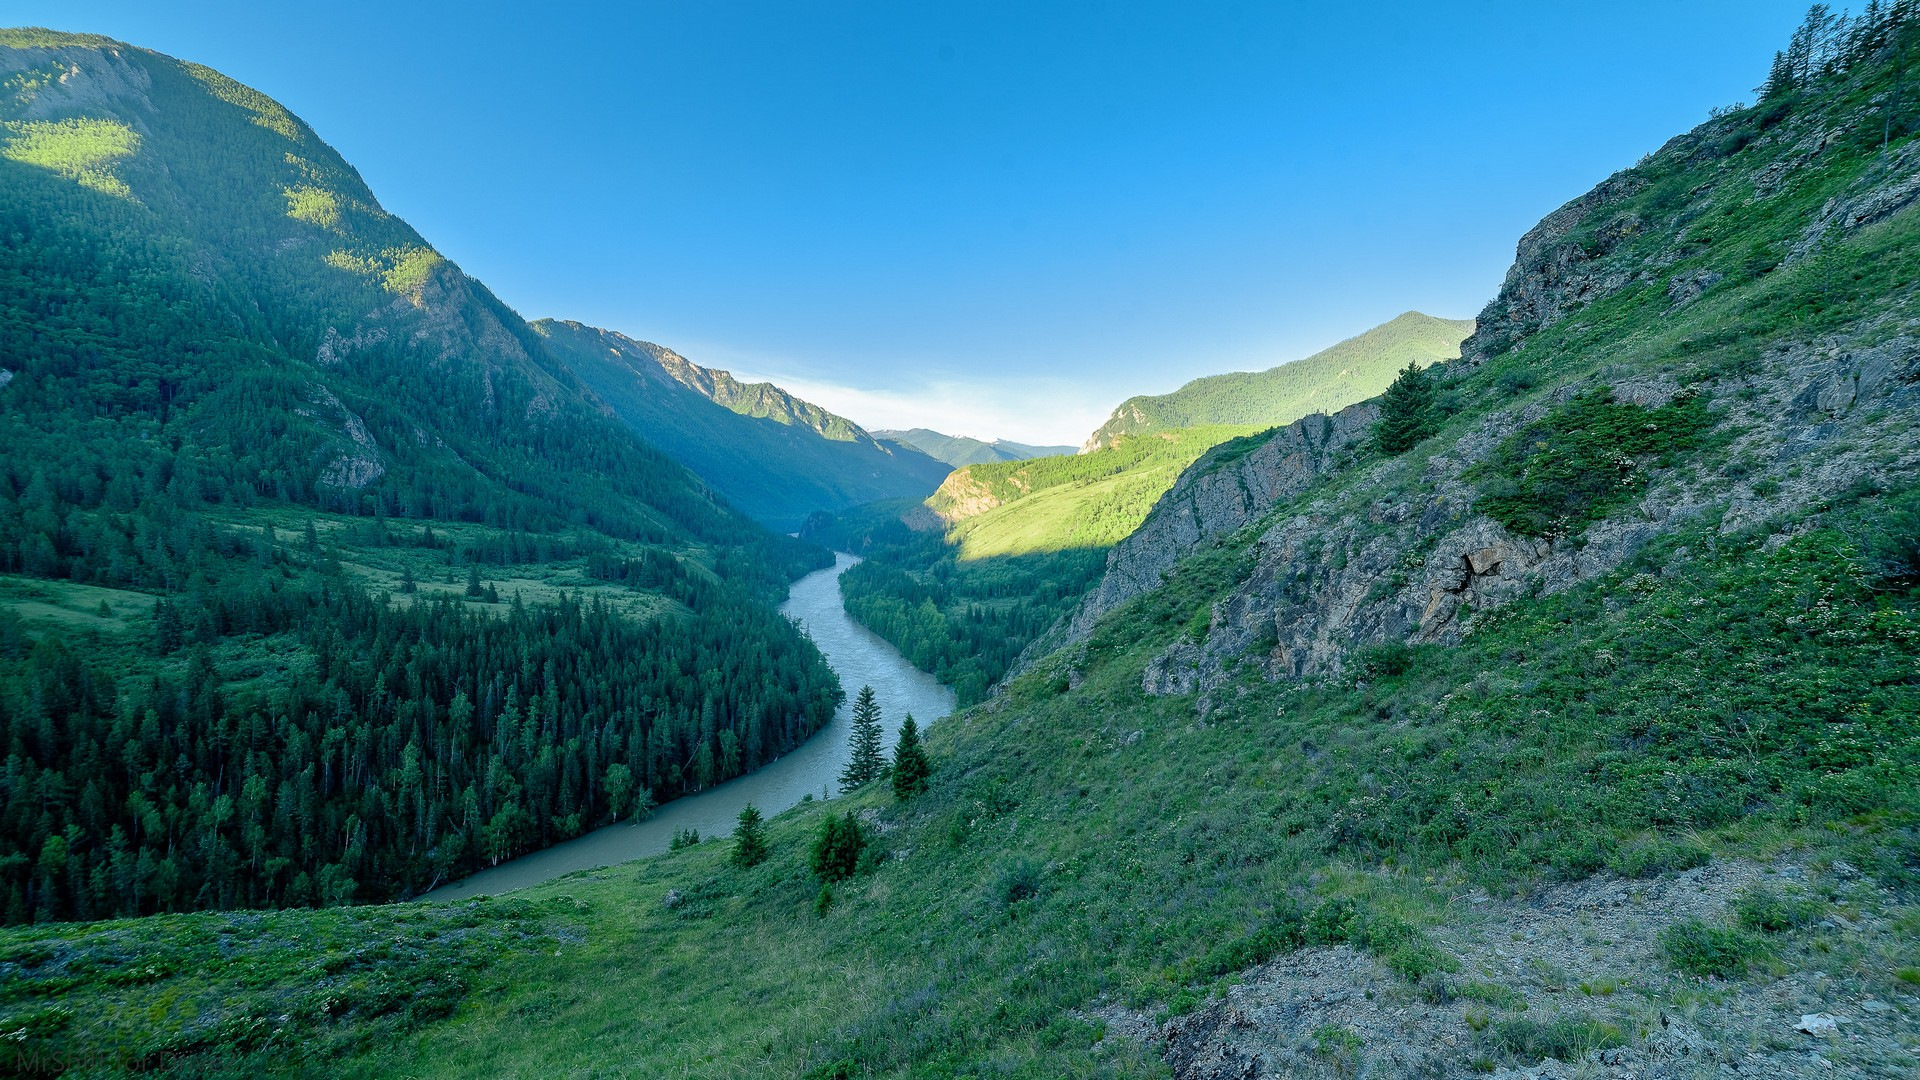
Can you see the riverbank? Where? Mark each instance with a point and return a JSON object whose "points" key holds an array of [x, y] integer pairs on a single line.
{"points": [[856, 654]]}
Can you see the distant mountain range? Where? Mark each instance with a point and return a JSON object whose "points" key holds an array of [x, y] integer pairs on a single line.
{"points": [[1327, 381], [959, 450], [774, 456]]}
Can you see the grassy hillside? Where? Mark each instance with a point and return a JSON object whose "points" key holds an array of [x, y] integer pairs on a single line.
{"points": [[289, 444], [1329, 380], [1075, 501], [1089, 856], [959, 450], [776, 458]]}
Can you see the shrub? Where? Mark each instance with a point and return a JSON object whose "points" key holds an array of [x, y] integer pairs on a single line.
{"points": [[1564, 1038], [1018, 879], [1696, 948], [1768, 911], [1658, 857], [1584, 460]]}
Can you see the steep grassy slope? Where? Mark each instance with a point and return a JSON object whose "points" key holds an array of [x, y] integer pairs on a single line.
{"points": [[1077, 501], [247, 402], [775, 457], [958, 450], [1363, 746], [1329, 380]]}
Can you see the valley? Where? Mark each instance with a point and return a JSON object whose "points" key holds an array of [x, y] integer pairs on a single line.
{"points": [[1531, 696]]}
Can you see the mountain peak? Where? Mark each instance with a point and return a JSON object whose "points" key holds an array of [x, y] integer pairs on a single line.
{"points": [[1329, 380]]}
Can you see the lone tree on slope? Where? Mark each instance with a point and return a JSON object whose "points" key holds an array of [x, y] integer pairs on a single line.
{"points": [[750, 838], [1407, 414], [837, 847], [866, 763], [910, 764]]}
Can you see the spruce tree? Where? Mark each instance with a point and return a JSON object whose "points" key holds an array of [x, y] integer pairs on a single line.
{"points": [[866, 763], [837, 847], [750, 838], [910, 764], [1407, 413]]}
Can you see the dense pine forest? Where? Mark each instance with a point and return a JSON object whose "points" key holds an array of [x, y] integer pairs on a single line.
{"points": [[211, 335]]}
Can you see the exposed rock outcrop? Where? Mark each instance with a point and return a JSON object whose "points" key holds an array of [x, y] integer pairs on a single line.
{"points": [[1340, 575]]}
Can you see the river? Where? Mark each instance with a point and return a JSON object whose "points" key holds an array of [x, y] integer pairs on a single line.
{"points": [[859, 656]]}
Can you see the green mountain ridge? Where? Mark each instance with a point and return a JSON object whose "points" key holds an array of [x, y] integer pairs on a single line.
{"points": [[376, 591], [774, 456], [959, 450], [1329, 380]]}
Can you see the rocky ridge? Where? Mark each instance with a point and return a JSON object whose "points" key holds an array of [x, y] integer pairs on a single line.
{"points": [[1341, 559]]}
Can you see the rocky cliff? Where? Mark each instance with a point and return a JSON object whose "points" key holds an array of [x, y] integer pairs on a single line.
{"points": [[1699, 272]]}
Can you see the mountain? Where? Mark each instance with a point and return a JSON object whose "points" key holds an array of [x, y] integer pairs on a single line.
{"points": [[1076, 501], [1577, 739], [959, 450], [1035, 521], [774, 456], [321, 578], [1329, 380]]}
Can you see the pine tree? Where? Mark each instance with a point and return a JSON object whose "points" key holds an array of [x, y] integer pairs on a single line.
{"points": [[866, 763], [910, 764], [1406, 411], [837, 847], [750, 838], [474, 591]]}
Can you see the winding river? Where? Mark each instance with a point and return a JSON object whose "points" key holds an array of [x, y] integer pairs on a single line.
{"points": [[857, 655]]}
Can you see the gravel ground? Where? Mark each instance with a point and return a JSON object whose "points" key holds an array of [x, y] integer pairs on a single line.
{"points": [[1570, 983]]}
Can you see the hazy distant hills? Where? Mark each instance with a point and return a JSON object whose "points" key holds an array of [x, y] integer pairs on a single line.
{"points": [[1329, 380], [774, 456], [959, 450]]}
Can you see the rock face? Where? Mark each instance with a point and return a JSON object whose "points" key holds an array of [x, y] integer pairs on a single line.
{"points": [[1397, 553], [1216, 497], [1342, 574]]}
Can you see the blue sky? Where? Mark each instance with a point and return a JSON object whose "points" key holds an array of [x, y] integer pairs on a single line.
{"points": [[992, 219]]}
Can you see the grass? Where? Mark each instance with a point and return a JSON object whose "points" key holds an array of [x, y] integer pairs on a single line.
{"points": [[1090, 845], [204, 994], [1061, 503], [69, 607]]}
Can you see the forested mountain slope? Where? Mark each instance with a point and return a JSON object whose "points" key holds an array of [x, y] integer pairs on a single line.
{"points": [[958, 450], [772, 455], [256, 434], [1329, 380], [1576, 739]]}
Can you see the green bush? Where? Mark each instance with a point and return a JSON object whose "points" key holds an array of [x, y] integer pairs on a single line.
{"points": [[1564, 1038], [1697, 948], [1584, 460], [1766, 910], [1658, 857]]}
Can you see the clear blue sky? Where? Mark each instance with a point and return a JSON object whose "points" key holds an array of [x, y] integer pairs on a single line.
{"points": [[997, 219]]}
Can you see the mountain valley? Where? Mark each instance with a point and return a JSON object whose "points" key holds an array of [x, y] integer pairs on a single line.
{"points": [[1532, 696]]}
